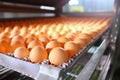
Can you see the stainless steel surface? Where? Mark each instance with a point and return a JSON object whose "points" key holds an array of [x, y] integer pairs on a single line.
{"points": [[18, 65], [47, 72], [105, 69], [36, 71], [93, 62]]}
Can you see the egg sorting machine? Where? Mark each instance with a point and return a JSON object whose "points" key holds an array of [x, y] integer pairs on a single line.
{"points": [[84, 65]]}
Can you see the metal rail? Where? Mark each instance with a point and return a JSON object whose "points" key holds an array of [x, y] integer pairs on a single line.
{"points": [[104, 72], [93, 62]]}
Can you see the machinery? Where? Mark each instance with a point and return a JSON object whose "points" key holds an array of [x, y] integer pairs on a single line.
{"points": [[91, 63]]}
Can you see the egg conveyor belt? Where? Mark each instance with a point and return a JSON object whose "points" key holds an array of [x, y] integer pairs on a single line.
{"points": [[45, 69]]}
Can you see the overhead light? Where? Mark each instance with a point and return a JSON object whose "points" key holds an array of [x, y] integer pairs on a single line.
{"points": [[73, 2], [47, 8]]}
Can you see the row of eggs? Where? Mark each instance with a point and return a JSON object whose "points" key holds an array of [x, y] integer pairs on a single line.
{"points": [[57, 40]]}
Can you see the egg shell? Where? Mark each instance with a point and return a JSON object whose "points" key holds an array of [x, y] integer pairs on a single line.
{"points": [[80, 41], [44, 39], [18, 38], [62, 40], [5, 38], [15, 44], [52, 44], [5, 43], [35, 43], [58, 56], [38, 54], [21, 52], [86, 37], [71, 48], [2, 49]]}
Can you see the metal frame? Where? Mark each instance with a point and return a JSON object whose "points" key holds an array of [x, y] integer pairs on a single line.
{"points": [[89, 14], [115, 67], [45, 71], [86, 73], [49, 72]]}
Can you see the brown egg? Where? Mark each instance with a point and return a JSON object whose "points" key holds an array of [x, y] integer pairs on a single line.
{"points": [[23, 29], [70, 36], [23, 34], [55, 35], [71, 48], [2, 49], [80, 41], [38, 54], [5, 43], [31, 35], [52, 44], [58, 56], [5, 34], [16, 28], [35, 43], [21, 52], [7, 29], [96, 31], [62, 40], [90, 34], [15, 44], [29, 39], [38, 27], [44, 39], [4, 37], [86, 37], [14, 32], [18, 38]]}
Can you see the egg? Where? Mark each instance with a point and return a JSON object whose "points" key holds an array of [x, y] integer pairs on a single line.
{"points": [[23, 34], [18, 38], [5, 38], [35, 43], [90, 34], [2, 49], [58, 56], [14, 32], [23, 29], [5, 34], [15, 44], [7, 29], [38, 54], [21, 52], [71, 48], [52, 44], [5, 43], [16, 28], [29, 39], [55, 35], [31, 35], [62, 40], [80, 41], [44, 39], [70, 36], [86, 37]]}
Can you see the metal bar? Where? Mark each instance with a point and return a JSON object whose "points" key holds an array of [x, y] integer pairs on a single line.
{"points": [[6, 74], [21, 66], [18, 8], [89, 14], [93, 62], [115, 67], [4, 71], [104, 72]]}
